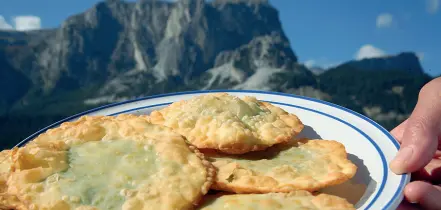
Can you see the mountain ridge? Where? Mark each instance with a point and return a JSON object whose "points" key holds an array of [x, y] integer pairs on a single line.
{"points": [[405, 61]]}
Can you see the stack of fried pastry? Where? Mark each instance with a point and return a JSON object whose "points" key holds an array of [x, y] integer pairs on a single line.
{"points": [[213, 151]]}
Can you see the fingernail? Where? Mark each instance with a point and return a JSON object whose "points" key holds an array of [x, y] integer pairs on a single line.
{"points": [[398, 164]]}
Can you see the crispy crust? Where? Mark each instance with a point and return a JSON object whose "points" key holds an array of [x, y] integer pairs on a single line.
{"points": [[229, 124], [5, 165], [7, 201], [47, 155], [210, 170], [292, 201], [323, 163]]}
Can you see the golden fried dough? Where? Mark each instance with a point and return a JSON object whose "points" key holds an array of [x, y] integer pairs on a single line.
{"points": [[100, 162], [7, 201], [5, 165], [229, 124], [290, 201], [297, 165]]}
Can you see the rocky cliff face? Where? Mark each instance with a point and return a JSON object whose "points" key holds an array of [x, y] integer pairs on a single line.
{"points": [[13, 84], [119, 46]]}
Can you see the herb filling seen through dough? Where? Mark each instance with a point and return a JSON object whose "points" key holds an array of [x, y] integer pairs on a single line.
{"points": [[99, 172]]}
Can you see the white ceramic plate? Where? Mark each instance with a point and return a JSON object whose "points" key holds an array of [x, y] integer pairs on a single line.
{"points": [[370, 146]]}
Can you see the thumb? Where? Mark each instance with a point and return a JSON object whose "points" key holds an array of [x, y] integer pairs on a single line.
{"points": [[419, 141]]}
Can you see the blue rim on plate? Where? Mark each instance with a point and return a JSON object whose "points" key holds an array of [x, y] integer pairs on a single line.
{"points": [[404, 177]]}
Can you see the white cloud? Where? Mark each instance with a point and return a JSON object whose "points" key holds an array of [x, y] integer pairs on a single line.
{"points": [[384, 20], [369, 51], [420, 56], [25, 23], [310, 63], [21, 23], [4, 25], [432, 6], [322, 63]]}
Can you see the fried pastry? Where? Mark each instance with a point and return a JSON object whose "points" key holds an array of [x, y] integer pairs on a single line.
{"points": [[100, 162], [228, 123], [289, 201], [7, 201], [297, 165], [5, 164]]}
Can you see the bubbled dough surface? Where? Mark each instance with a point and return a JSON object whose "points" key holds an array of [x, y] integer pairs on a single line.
{"points": [[297, 165], [290, 201], [109, 163], [228, 123], [7, 201], [5, 164]]}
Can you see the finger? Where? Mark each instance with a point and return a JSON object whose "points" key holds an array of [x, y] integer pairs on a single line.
{"points": [[408, 206], [426, 195], [438, 151], [420, 136], [398, 131], [430, 173], [437, 154]]}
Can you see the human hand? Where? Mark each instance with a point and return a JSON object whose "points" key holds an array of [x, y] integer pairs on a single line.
{"points": [[420, 152]]}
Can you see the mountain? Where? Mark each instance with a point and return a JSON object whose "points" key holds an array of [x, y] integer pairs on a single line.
{"points": [[387, 96], [121, 50], [11, 80], [317, 70], [405, 61]]}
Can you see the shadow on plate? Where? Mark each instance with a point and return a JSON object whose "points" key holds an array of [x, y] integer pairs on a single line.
{"points": [[358, 189], [309, 133]]}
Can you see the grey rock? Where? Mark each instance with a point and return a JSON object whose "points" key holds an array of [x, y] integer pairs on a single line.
{"points": [[269, 51], [13, 85], [254, 65]]}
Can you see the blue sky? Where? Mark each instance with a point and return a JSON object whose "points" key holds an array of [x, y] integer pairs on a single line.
{"points": [[322, 32]]}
